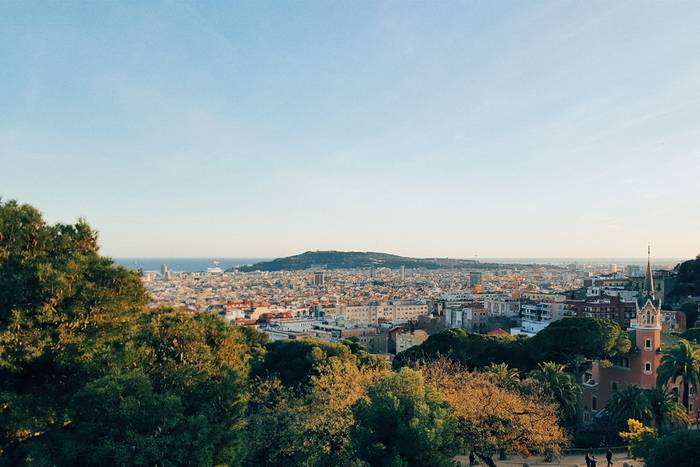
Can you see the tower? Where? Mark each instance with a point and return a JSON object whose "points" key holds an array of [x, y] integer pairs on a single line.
{"points": [[647, 329]]}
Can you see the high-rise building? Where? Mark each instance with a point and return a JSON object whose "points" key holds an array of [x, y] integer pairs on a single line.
{"points": [[319, 279], [474, 278], [403, 273]]}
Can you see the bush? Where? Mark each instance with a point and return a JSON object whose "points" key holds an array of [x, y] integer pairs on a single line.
{"points": [[679, 449]]}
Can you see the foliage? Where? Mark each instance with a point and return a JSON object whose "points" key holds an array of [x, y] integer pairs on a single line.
{"points": [[655, 406], [591, 338], [296, 361], [65, 313], [692, 335], [641, 438], [679, 449], [88, 377], [572, 341], [680, 364], [308, 427], [503, 376], [493, 419], [562, 388], [404, 421], [469, 349]]}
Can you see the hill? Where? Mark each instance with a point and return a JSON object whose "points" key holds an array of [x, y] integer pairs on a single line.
{"points": [[355, 259]]}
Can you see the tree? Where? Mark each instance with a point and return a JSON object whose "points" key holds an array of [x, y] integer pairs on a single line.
{"points": [[65, 314], [680, 364], [503, 376], [691, 312], [562, 388], [294, 362], [692, 335], [181, 399], [492, 419], [569, 339], [641, 438], [310, 427], [665, 411], [88, 376], [679, 449], [404, 421], [631, 402], [470, 349]]}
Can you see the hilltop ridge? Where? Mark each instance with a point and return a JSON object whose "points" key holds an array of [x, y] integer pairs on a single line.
{"points": [[333, 259]]}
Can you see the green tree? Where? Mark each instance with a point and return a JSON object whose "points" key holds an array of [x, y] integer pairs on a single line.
{"points": [[562, 388], [404, 421], [631, 402], [571, 339], [680, 364], [503, 375], [665, 411], [88, 377], [692, 335], [679, 449], [294, 362], [65, 314]]}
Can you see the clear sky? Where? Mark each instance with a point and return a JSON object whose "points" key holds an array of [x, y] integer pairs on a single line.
{"points": [[436, 128]]}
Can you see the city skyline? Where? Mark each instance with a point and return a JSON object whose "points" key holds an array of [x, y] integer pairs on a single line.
{"points": [[508, 130]]}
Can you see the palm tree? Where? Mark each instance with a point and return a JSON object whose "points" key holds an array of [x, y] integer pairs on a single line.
{"points": [[630, 402], [502, 375], [680, 362], [664, 409], [562, 387]]}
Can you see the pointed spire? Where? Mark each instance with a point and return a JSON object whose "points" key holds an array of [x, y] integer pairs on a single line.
{"points": [[649, 285]]}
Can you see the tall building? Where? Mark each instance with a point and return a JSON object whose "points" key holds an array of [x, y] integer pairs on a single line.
{"points": [[165, 272], [403, 273], [319, 279], [639, 366], [474, 278]]}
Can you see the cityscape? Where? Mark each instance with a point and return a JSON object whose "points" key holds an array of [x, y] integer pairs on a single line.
{"points": [[370, 233]]}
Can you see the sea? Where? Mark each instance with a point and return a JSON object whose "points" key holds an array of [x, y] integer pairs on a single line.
{"points": [[185, 264]]}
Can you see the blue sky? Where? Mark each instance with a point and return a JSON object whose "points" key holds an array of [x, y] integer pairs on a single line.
{"points": [[512, 129]]}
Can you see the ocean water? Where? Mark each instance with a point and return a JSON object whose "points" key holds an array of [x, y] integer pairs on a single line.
{"points": [[185, 264]]}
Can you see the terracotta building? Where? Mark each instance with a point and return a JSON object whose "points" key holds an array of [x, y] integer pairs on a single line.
{"points": [[639, 366]]}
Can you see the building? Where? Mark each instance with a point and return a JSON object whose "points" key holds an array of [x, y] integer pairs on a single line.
{"points": [[401, 339], [639, 366], [474, 278], [403, 273], [603, 306], [502, 307], [537, 317], [319, 279], [396, 311]]}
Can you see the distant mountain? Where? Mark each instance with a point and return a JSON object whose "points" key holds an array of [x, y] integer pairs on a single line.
{"points": [[354, 259]]}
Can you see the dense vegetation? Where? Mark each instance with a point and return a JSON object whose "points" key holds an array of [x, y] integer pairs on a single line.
{"points": [[570, 341], [354, 259], [90, 376]]}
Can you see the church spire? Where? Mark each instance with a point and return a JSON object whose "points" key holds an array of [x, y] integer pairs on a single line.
{"points": [[649, 284]]}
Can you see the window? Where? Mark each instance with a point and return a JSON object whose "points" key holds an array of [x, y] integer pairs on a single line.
{"points": [[613, 386], [594, 403], [647, 344], [647, 367]]}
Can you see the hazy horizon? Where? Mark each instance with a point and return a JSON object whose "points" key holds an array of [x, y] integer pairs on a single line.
{"points": [[454, 129]]}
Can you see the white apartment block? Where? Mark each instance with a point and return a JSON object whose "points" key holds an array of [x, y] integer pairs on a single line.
{"points": [[396, 311]]}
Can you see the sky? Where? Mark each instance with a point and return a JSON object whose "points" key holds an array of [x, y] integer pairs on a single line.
{"points": [[432, 128]]}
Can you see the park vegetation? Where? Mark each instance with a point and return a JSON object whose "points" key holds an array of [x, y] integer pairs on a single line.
{"points": [[89, 375]]}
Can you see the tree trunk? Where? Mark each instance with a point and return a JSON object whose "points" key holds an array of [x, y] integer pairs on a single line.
{"points": [[487, 459], [686, 402]]}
